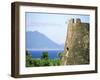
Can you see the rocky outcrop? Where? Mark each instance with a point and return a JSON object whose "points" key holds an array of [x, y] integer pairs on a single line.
{"points": [[76, 50]]}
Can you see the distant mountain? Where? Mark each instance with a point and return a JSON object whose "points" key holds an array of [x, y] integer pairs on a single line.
{"points": [[37, 40]]}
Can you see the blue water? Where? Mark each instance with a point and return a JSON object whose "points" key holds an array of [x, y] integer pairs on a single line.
{"points": [[51, 53]]}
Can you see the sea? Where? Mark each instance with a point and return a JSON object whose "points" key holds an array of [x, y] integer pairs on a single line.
{"points": [[38, 53]]}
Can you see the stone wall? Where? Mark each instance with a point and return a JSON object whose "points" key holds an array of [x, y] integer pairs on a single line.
{"points": [[76, 50]]}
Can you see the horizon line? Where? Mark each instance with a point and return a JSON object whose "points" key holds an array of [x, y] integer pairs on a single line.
{"points": [[44, 49]]}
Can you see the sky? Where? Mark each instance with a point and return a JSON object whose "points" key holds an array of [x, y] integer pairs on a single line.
{"points": [[54, 26]]}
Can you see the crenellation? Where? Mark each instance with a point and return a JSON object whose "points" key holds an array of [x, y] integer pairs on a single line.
{"points": [[71, 20], [77, 20]]}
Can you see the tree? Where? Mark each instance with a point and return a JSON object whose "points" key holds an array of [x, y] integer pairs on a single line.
{"points": [[27, 53], [45, 55], [29, 59], [60, 54]]}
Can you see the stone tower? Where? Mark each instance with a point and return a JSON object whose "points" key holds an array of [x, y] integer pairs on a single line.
{"points": [[76, 50]]}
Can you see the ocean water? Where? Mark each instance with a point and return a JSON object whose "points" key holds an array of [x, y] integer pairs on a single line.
{"points": [[51, 53]]}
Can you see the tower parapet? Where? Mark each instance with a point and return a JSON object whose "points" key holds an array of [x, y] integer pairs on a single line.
{"points": [[78, 20], [71, 20]]}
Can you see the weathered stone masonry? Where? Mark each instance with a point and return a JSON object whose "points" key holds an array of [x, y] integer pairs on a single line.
{"points": [[76, 50]]}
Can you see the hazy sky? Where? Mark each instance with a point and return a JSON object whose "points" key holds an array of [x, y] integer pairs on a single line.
{"points": [[54, 26]]}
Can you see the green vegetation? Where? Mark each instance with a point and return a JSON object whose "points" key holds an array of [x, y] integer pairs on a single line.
{"points": [[60, 55], [43, 61], [45, 55]]}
